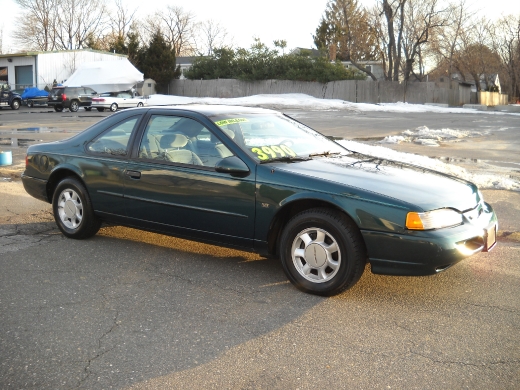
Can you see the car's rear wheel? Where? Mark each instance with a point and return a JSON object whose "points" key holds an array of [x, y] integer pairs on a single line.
{"points": [[88, 108], [113, 107], [73, 210], [58, 108], [140, 104], [15, 105], [322, 252], [74, 106], [100, 109], [30, 103]]}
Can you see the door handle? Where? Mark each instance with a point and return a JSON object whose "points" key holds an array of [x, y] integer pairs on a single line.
{"points": [[133, 174]]}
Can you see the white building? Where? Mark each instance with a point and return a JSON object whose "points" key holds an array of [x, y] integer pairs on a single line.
{"points": [[42, 68]]}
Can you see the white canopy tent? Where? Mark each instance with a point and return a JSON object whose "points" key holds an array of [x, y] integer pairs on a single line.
{"points": [[105, 76]]}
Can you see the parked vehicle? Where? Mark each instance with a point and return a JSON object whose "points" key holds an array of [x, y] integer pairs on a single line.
{"points": [[9, 98], [115, 100], [71, 97], [34, 96], [261, 181]]}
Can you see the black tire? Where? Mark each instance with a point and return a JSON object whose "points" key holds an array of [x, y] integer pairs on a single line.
{"points": [[140, 104], [322, 252], [88, 108], [30, 103], [15, 104], [100, 109], [74, 106], [113, 107], [73, 210], [58, 108]]}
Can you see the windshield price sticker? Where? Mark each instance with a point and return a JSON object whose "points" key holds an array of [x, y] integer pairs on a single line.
{"points": [[225, 122], [273, 151]]}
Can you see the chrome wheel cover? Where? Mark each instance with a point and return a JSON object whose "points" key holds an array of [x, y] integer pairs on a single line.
{"points": [[70, 209], [316, 255]]}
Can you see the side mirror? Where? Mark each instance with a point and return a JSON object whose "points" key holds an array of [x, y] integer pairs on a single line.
{"points": [[232, 165]]}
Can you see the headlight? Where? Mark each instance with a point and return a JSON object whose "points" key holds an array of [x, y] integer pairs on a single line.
{"points": [[435, 219]]}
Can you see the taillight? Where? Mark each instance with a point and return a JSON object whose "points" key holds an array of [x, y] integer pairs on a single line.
{"points": [[26, 161], [63, 97]]}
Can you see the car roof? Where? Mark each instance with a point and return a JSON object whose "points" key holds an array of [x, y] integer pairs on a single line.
{"points": [[217, 109]]}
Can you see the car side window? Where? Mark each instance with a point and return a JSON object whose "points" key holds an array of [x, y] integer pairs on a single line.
{"points": [[182, 141], [114, 142]]}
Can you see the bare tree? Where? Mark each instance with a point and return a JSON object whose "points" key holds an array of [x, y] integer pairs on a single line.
{"points": [[121, 19], [178, 27], [36, 26], [213, 36], [76, 23], [59, 24], [505, 36], [423, 19]]}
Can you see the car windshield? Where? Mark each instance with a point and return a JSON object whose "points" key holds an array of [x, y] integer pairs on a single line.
{"points": [[268, 137]]}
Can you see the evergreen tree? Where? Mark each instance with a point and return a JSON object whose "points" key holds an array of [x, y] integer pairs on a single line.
{"points": [[158, 62]]}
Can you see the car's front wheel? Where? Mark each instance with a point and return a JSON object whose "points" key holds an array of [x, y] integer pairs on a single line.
{"points": [[100, 109], [322, 252], [73, 210], [113, 107], [74, 106]]}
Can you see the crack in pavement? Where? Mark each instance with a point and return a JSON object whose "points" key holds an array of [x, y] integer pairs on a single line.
{"points": [[89, 362], [466, 364]]}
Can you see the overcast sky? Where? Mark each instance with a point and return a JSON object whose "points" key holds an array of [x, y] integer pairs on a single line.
{"points": [[292, 20]]}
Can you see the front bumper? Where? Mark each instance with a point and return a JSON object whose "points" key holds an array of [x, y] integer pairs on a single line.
{"points": [[430, 252]]}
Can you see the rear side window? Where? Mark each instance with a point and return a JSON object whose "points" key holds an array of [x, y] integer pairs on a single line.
{"points": [[114, 142]]}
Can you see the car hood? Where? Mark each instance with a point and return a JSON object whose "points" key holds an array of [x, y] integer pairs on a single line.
{"points": [[421, 187]]}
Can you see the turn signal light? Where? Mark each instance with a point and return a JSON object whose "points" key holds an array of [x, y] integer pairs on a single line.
{"points": [[413, 221]]}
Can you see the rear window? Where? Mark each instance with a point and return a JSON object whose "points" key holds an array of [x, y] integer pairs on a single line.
{"points": [[57, 91]]}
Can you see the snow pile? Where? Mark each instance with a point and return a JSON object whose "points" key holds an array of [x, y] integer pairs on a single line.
{"points": [[303, 101], [483, 181], [288, 100], [425, 136]]}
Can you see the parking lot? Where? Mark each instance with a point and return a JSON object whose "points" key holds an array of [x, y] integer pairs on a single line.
{"points": [[129, 309]]}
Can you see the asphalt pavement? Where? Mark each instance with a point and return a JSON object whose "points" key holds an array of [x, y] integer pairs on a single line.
{"points": [[135, 310]]}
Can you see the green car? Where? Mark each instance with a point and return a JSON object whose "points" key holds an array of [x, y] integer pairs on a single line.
{"points": [[258, 180]]}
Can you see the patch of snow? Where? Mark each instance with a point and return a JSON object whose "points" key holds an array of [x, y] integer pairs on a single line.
{"points": [[428, 137]]}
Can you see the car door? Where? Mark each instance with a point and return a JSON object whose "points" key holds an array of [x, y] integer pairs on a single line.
{"points": [[124, 100], [106, 164], [169, 187]]}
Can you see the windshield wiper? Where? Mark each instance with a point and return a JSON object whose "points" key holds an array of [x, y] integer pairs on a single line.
{"points": [[285, 159], [325, 154]]}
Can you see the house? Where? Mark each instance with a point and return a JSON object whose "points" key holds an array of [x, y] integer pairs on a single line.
{"points": [[42, 68], [490, 82], [184, 63], [376, 67]]}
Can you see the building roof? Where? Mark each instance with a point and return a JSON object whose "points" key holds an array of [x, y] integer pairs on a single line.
{"points": [[35, 53]]}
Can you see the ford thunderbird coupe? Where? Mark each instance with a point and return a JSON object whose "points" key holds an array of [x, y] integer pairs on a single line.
{"points": [[258, 180]]}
